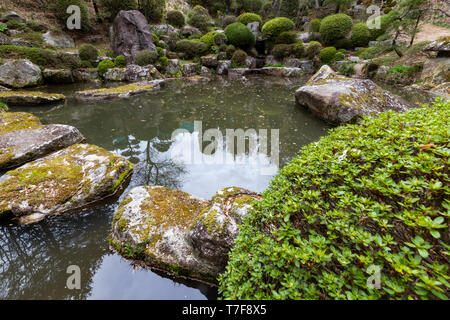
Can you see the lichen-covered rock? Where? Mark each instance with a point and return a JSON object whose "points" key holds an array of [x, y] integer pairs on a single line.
{"points": [[441, 46], [57, 76], [223, 67], [216, 227], [282, 72], [173, 231], [190, 69], [209, 61], [435, 72], [13, 98], [12, 15], [58, 40], [120, 92], [69, 179], [86, 74], [339, 99], [115, 74], [173, 67], [23, 138], [136, 73], [237, 73], [20, 74]]}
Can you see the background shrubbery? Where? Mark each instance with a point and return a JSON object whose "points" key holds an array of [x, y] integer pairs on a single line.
{"points": [[335, 27], [240, 36]]}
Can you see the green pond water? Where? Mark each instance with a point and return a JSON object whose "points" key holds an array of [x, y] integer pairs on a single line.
{"points": [[34, 259]]}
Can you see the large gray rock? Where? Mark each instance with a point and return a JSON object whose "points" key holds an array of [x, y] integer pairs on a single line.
{"points": [[435, 72], [441, 46], [57, 76], [174, 231], [20, 74], [58, 40], [131, 34], [190, 69], [223, 67], [209, 61], [173, 67], [63, 181], [339, 99], [23, 138], [11, 15], [254, 28], [115, 74], [135, 73], [86, 74], [4, 39]]}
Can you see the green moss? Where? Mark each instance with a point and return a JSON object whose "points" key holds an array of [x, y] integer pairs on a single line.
{"points": [[117, 90], [122, 177], [11, 121]]}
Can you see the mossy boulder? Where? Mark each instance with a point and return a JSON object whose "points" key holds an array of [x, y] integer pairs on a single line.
{"points": [[441, 46], [20, 74], [176, 232], [435, 72], [28, 98], [66, 180], [23, 138], [339, 99], [57, 76]]}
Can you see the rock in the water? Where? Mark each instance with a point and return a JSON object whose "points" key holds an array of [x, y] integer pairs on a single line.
{"points": [[115, 74], [20, 74], [136, 73], [23, 138], [338, 99], [131, 34], [57, 76], [282, 72], [121, 92], [66, 180], [21, 98], [216, 228], [58, 40], [173, 231], [87, 74]]}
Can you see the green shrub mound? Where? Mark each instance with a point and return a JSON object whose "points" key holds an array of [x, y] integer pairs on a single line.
{"points": [[286, 37], [344, 44], [272, 28], [240, 36], [327, 55], [281, 51], [175, 18], [238, 59], [191, 48], [199, 18], [208, 39], [230, 50], [104, 66], [145, 57], [248, 17], [369, 197], [88, 52], [335, 27], [298, 49], [153, 10], [114, 6], [120, 62], [220, 38], [360, 35], [228, 20], [314, 25], [313, 49]]}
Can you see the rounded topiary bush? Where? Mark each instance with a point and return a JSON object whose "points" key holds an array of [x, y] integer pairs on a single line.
{"points": [[344, 44], [88, 52], [314, 25], [208, 39], [272, 28], [240, 36], [228, 20], [248, 17], [334, 27], [220, 38], [230, 50], [327, 55], [199, 18], [360, 35], [238, 59], [192, 48], [298, 49], [120, 62], [104, 66], [368, 198], [175, 18], [281, 51], [313, 48], [286, 37], [145, 57]]}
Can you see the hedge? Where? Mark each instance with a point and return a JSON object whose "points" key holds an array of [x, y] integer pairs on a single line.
{"points": [[370, 199], [191, 48], [272, 28]]}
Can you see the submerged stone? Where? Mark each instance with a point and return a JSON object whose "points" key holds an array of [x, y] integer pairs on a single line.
{"points": [[29, 97], [339, 99], [63, 181]]}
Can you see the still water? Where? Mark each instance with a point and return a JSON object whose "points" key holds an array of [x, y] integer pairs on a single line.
{"points": [[34, 259]]}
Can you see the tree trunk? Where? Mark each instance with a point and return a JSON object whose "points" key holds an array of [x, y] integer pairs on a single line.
{"points": [[276, 7], [415, 30], [338, 8], [97, 14]]}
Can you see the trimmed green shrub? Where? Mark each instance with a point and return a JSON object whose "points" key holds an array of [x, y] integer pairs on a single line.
{"points": [[369, 197], [164, 61], [230, 50], [339, 56], [175, 18], [240, 36], [298, 49], [228, 20], [360, 35], [281, 51], [344, 44], [88, 52], [220, 38], [335, 27], [313, 48], [208, 39], [86, 64], [272, 28], [59, 7], [199, 18], [160, 51], [347, 69], [145, 57], [104, 66], [192, 48], [238, 58], [114, 6], [153, 10], [248, 17], [286, 37], [327, 55], [196, 36], [314, 25], [120, 62]]}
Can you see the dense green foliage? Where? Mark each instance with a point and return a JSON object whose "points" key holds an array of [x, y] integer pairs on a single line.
{"points": [[228, 20], [327, 55], [298, 49], [104, 66], [344, 44], [287, 37], [153, 10], [208, 39], [313, 48], [145, 57], [230, 50], [88, 52], [114, 6], [335, 27], [360, 35], [289, 8], [347, 69], [220, 38], [272, 28], [370, 196], [120, 62], [191, 48], [248, 17], [175, 18], [240, 36], [199, 18], [314, 25], [281, 51], [238, 59]]}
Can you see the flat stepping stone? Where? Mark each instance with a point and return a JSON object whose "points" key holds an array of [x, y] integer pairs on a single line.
{"points": [[66, 180], [13, 98]]}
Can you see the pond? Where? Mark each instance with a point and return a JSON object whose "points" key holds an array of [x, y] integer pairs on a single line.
{"points": [[34, 259]]}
